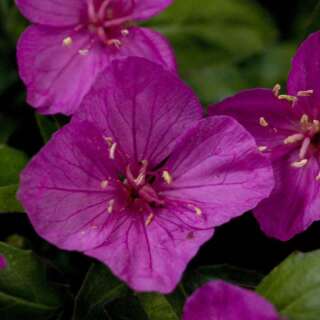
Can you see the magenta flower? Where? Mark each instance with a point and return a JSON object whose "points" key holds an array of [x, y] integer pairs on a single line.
{"points": [[220, 300], [287, 127], [138, 180], [3, 262], [72, 41]]}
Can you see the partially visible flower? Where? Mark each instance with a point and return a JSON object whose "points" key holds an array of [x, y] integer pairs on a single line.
{"points": [[287, 127], [138, 179], [220, 300], [72, 41], [3, 262]]}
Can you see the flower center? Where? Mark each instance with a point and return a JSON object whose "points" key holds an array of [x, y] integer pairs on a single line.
{"points": [[104, 25], [307, 136], [139, 184]]}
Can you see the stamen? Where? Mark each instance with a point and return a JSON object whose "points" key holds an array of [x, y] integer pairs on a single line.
{"points": [[263, 122], [110, 206], [293, 138], [149, 219], [287, 98], [304, 147], [125, 32], [67, 42], [167, 176], [112, 151], [306, 93], [299, 164], [114, 42], [276, 89], [104, 184], [109, 140], [262, 148], [83, 52], [92, 12], [102, 10], [304, 119], [197, 210]]}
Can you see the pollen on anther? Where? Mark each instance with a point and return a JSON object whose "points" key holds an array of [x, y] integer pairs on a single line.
{"points": [[104, 184], [67, 42], [304, 119], [167, 176], [299, 164], [287, 98], [149, 219], [110, 206], [263, 122], [262, 148], [276, 89], [197, 210], [83, 52]]}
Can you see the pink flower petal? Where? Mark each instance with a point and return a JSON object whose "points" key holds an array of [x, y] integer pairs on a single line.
{"points": [[267, 118], [294, 203], [220, 300], [3, 262], [53, 12], [153, 257], [144, 9], [62, 188], [146, 116], [217, 172], [149, 44], [58, 75]]}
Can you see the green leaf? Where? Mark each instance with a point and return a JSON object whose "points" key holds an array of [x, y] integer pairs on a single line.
{"points": [[11, 163], [47, 126], [8, 200], [99, 288], [294, 286], [24, 290], [212, 32], [238, 276], [159, 307]]}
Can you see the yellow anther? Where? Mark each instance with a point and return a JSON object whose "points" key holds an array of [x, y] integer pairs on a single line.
{"points": [[149, 219], [306, 93], [287, 98], [110, 206], [263, 122], [276, 89], [197, 210], [112, 151], [293, 138], [104, 184], [304, 120], [299, 164], [262, 148], [167, 176], [108, 140], [83, 52], [67, 42]]}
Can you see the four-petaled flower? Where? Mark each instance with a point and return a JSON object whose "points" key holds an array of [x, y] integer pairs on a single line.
{"points": [[220, 300], [139, 180], [72, 41], [287, 127]]}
